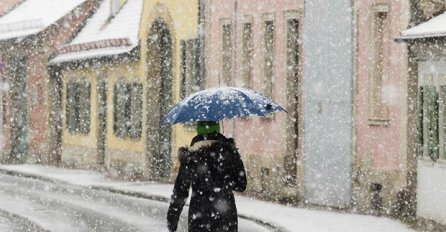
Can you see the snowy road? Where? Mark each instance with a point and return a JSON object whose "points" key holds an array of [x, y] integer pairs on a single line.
{"points": [[34, 205]]}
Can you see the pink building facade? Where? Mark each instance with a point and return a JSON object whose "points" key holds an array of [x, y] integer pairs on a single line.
{"points": [[7, 5], [30, 129], [381, 167], [257, 45]]}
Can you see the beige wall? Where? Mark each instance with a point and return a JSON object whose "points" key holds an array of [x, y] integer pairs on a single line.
{"points": [[129, 157]]}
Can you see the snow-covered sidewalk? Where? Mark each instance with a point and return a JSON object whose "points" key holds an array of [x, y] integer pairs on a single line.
{"points": [[288, 218]]}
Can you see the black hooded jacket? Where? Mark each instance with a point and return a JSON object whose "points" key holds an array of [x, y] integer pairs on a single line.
{"points": [[213, 168]]}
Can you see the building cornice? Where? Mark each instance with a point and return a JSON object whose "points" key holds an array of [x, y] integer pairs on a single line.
{"points": [[107, 43]]}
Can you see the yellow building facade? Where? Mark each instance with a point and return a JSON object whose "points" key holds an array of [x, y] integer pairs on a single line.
{"points": [[115, 89]]}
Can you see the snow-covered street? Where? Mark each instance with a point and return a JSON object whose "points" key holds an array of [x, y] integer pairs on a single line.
{"points": [[55, 207], [56, 199], [28, 204]]}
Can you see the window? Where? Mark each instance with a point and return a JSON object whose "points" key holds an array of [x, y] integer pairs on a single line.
{"points": [[292, 63], [431, 99], [78, 107], [420, 120], [226, 54], [293, 49], [442, 119], [432, 117], [246, 65], [268, 56], [191, 80], [378, 109], [127, 110]]}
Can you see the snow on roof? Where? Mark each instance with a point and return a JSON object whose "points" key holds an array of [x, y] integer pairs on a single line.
{"points": [[435, 27], [33, 16], [101, 27]]}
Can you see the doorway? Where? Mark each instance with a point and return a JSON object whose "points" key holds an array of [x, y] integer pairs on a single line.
{"points": [[19, 112], [55, 95], [159, 99], [293, 98]]}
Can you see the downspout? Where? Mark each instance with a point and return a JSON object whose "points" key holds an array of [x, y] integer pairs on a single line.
{"points": [[407, 198], [355, 165], [2, 86], [201, 43]]}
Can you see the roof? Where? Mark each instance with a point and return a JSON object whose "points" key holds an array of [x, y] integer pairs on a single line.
{"points": [[104, 35], [435, 27], [34, 16]]}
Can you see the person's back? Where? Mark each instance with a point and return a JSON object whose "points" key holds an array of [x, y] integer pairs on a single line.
{"points": [[213, 168]]}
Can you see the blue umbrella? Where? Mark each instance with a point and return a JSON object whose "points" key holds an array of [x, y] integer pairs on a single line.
{"points": [[216, 104]]}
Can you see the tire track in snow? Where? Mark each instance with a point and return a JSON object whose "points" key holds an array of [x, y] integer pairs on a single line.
{"points": [[250, 222], [19, 223]]}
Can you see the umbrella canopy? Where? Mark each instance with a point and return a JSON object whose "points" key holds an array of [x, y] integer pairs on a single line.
{"points": [[216, 104]]}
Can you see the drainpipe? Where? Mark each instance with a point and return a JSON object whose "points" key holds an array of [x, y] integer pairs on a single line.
{"points": [[2, 88], [201, 42], [234, 56], [234, 40]]}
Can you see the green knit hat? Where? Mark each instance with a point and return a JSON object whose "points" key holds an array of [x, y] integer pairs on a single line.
{"points": [[207, 127]]}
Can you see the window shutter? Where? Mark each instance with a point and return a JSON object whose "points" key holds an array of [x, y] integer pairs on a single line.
{"points": [[86, 89], [69, 107], [136, 119]]}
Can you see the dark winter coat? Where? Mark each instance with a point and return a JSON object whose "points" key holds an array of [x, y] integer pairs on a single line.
{"points": [[213, 168]]}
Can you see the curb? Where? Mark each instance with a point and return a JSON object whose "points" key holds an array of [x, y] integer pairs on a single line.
{"points": [[270, 226]]}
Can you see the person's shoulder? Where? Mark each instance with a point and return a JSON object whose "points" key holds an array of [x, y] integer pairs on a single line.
{"points": [[226, 141]]}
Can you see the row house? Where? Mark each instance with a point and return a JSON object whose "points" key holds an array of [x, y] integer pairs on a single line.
{"points": [[303, 60], [27, 39], [257, 45], [342, 78], [426, 41], [118, 77], [5, 6], [383, 167]]}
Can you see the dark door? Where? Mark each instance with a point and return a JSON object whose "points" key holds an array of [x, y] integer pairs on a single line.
{"points": [[19, 112], [165, 96], [159, 99], [293, 99]]}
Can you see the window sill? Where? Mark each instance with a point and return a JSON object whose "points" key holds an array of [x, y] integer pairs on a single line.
{"points": [[128, 138], [379, 122], [428, 161], [78, 133]]}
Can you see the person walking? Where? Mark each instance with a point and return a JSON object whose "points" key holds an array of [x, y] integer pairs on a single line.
{"points": [[213, 168]]}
